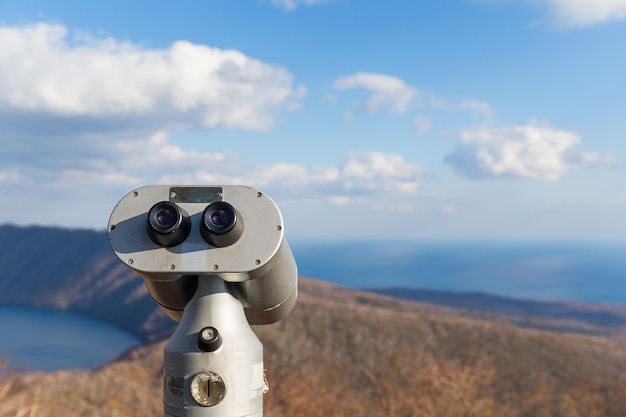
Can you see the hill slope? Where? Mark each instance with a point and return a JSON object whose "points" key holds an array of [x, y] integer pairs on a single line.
{"points": [[335, 357], [585, 318], [339, 353], [76, 270]]}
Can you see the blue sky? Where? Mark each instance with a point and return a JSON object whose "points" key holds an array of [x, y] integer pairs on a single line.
{"points": [[458, 119]]}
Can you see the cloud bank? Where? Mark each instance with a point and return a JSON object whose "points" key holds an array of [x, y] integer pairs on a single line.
{"points": [[129, 162], [44, 70], [45, 179], [85, 120], [533, 151]]}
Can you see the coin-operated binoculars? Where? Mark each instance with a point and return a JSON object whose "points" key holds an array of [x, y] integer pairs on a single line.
{"points": [[216, 260]]}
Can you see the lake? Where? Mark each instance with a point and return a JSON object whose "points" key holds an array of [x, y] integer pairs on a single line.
{"points": [[50, 340], [591, 272]]}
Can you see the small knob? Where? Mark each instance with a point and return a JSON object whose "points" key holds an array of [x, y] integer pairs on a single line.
{"points": [[209, 339]]}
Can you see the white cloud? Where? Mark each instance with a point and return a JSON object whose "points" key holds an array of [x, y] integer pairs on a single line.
{"points": [[576, 13], [387, 93], [478, 108], [378, 173], [533, 151], [83, 121], [45, 71], [585, 12], [93, 172], [422, 124], [11, 175], [448, 209], [292, 4]]}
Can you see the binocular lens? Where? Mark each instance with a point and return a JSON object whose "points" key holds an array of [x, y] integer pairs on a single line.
{"points": [[220, 217], [166, 217], [168, 224], [221, 226]]}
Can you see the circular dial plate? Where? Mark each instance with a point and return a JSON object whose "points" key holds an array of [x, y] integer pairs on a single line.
{"points": [[207, 388]]}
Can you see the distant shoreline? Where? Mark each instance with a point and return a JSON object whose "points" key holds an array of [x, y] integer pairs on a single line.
{"points": [[541, 271]]}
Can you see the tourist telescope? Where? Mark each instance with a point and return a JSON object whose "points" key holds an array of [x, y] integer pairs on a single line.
{"points": [[216, 260]]}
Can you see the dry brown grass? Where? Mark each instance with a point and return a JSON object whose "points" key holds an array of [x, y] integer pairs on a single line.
{"points": [[384, 363], [13, 401], [119, 390], [336, 357]]}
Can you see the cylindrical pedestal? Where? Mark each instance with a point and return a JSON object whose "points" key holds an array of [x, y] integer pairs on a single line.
{"points": [[213, 379]]}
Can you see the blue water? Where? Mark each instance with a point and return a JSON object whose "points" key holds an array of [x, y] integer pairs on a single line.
{"points": [[541, 271], [50, 340]]}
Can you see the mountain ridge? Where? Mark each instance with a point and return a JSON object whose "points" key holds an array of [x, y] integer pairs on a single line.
{"points": [[332, 356], [340, 352], [75, 270]]}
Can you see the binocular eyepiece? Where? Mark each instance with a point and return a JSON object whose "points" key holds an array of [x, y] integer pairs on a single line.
{"points": [[174, 235], [169, 224]]}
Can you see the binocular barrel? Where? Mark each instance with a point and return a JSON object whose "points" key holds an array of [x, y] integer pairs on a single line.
{"points": [[172, 236]]}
